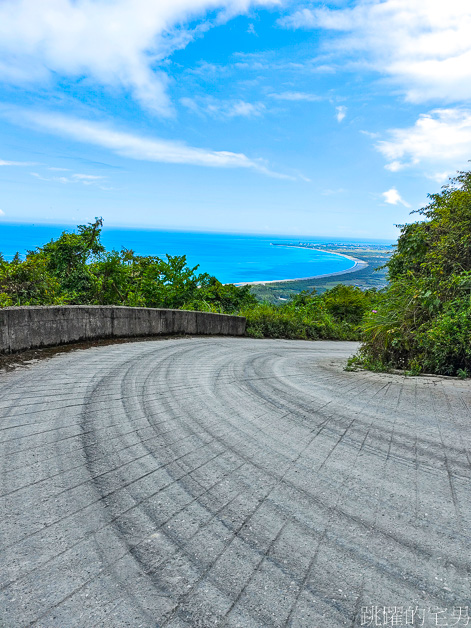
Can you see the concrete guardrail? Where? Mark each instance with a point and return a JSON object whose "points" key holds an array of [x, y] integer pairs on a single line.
{"points": [[44, 326]]}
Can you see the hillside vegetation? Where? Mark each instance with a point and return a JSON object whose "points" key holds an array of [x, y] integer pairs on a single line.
{"points": [[335, 314], [422, 321]]}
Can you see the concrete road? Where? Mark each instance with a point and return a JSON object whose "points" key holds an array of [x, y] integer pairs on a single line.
{"points": [[232, 482]]}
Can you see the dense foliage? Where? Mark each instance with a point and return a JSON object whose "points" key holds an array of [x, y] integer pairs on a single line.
{"points": [[76, 269], [422, 322], [336, 314]]}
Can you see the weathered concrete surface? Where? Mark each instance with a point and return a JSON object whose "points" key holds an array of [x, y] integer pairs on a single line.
{"points": [[44, 326], [230, 482]]}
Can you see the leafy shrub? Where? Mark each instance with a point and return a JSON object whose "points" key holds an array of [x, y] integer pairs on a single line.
{"points": [[422, 321], [348, 303], [336, 315], [27, 282]]}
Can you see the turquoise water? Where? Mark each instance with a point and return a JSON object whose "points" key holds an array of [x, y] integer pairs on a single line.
{"points": [[231, 258]]}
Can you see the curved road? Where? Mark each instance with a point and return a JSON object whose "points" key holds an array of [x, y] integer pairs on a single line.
{"points": [[231, 482]]}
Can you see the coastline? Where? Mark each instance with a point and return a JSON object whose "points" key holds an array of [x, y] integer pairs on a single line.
{"points": [[358, 265]]}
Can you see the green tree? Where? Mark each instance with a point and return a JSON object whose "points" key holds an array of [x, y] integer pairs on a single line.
{"points": [[27, 282], [68, 260], [422, 321]]}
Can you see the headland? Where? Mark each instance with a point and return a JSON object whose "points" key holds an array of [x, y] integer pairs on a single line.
{"points": [[359, 264]]}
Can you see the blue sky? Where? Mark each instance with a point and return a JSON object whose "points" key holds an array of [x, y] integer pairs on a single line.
{"points": [[333, 118]]}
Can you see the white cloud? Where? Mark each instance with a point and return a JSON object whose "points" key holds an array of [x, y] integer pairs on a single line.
{"points": [[392, 197], [2, 213], [245, 109], [424, 46], [85, 179], [395, 166], [16, 163], [439, 143], [330, 192], [297, 96], [135, 146], [251, 30], [303, 18], [117, 43], [266, 61], [223, 109], [56, 179], [441, 177], [341, 112]]}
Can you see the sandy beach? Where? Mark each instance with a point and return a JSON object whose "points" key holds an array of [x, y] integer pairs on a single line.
{"points": [[358, 265]]}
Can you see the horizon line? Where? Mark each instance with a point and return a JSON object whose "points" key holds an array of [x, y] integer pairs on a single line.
{"points": [[197, 230]]}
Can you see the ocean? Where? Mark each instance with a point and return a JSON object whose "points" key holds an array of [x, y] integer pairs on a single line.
{"points": [[232, 258]]}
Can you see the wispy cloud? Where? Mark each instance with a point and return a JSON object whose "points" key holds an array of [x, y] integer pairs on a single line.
{"points": [[264, 63], [297, 96], [438, 143], [84, 179], [330, 192], [223, 109], [303, 18], [422, 45], [270, 60], [16, 163], [118, 43], [135, 146], [2, 213], [392, 197], [341, 112]]}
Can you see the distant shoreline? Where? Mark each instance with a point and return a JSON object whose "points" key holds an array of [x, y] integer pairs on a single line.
{"points": [[358, 265]]}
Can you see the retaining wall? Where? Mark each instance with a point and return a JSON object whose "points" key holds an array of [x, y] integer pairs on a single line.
{"points": [[32, 327]]}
